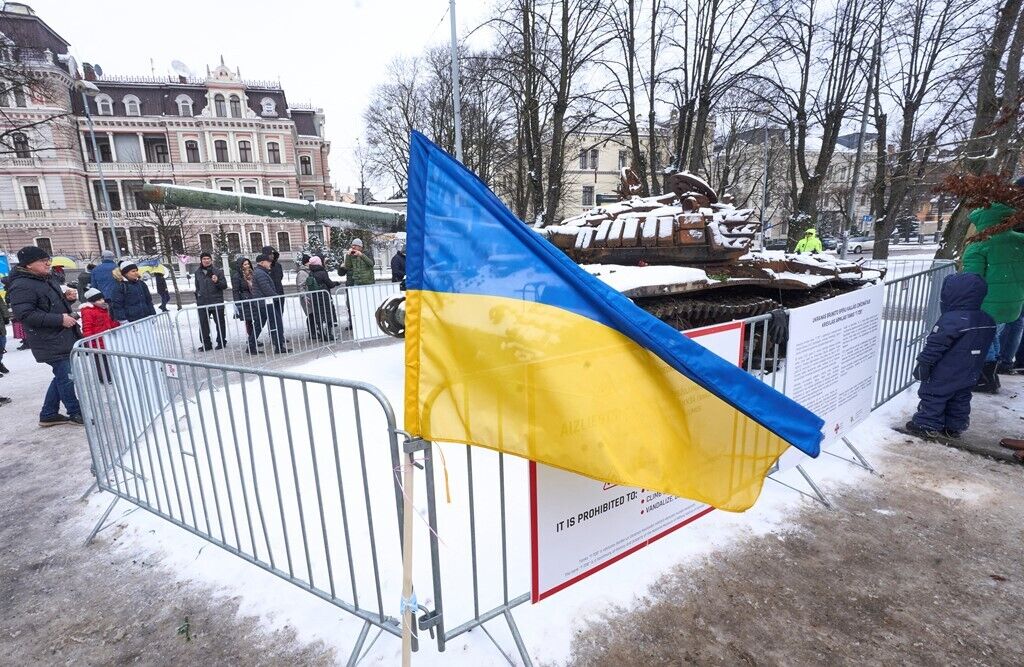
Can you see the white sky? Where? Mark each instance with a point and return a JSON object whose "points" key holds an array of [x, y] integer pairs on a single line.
{"points": [[330, 52]]}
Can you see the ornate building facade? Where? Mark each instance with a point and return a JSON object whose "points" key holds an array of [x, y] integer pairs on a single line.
{"points": [[218, 131]]}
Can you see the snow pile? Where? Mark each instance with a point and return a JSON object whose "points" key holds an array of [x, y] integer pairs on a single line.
{"points": [[625, 278]]}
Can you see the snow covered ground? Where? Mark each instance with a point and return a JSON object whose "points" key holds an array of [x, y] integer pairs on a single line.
{"points": [[547, 628]]}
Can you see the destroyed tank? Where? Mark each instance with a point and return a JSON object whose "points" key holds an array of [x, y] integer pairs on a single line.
{"points": [[688, 257]]}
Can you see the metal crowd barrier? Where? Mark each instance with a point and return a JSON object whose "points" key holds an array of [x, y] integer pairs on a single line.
{"points": [[274, 466]]}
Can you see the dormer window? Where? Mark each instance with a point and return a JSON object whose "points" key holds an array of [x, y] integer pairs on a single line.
{"points": [[236, 107], [184, 105], [132, 107], [219, 106], [104, 105], [269, 106]]}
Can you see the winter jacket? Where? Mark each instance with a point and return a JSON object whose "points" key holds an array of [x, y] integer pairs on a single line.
{"points": [[263, 283], [398, 267], [161, 283], [322, 280], [39, 304], [1000, 261], [5, 318], [131, 301], [301, 276], [809, 243], [240, 290], [95, 320], [359, 269], [103, 279], [207, 291], [276, 270], [955, 350]]}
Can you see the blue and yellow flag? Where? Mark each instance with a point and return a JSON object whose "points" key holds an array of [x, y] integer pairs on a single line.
{"points": [[512, 346]]}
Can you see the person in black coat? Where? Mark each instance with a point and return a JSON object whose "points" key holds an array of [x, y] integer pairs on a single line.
{"points": [[161, 289], [952, 358], [210, 286], [131, 299], [85, 278], [276, 270], [44, 309], [319, 284], [398, 266], [263, 289]]}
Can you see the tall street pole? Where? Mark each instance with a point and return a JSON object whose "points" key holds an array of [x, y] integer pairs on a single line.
{"points": [[99, 169], [844, 234], [456, 95], [764, 192]]}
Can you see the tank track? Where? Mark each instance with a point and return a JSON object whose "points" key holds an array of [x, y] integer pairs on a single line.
{"points": [[688, 312]]}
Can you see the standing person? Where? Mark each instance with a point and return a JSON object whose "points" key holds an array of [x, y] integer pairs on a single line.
{"points": [[809, 243], [5, 318], [999, 259], [301, 276], [276, 270], [358, 265], [319, 284], [210, 286], [96, 319], [131, 299], [85, 278], [952, 358], [241, 292], [161, 289], [44, 308], [102, 277], [398, 265], [265, 309]]}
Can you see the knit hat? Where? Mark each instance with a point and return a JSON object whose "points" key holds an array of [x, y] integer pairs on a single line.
{"points": [[31, 253], [358, 242], [127, 266], [93, 295], [304, 259], [316, 261], [107, 254], [205, 254], [263, 257]]}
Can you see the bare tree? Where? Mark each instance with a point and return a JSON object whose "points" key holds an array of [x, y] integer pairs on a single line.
{"points": [[34, 103]]}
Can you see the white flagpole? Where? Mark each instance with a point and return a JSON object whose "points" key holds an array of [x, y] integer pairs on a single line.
{"points": [[408, 613]]}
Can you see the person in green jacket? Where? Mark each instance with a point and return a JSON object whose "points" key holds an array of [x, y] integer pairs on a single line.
{"points": [[998, 259], [358, 265], [809, 243]]}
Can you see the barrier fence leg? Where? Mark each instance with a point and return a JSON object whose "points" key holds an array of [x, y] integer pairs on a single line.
{"points": [[92, 487], [518, 639], [354, 657], [821, 497], [103, 519], [863, 462]]}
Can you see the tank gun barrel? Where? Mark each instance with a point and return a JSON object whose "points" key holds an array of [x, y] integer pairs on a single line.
{"points": [[331, 213]]}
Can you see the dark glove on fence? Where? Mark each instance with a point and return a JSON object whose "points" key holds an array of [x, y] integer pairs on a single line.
{"points": [[922, 372], [778, 328]]}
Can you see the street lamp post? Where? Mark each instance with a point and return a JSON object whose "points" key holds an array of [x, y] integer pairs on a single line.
{"points": [[89, 89]]}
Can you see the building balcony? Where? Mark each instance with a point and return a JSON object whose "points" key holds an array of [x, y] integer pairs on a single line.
{"points": [[167, 169], [28, 216], [131, 168]]}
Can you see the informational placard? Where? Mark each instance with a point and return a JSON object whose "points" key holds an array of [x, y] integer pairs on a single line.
{"points": [[579, 525], [831, 361]]}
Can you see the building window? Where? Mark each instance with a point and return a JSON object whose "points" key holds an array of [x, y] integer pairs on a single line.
{"points": [[306, 165], [220, 147], [269, 106], [131, 105], [244, 151], [255, 241], [218, 106], [32, 200], [623, 159], [227, 188], [593, 158], [273, 153], [284, 242], [192, 151], [206, 242], [21, 145], [236, 107], [44, 243], [104, 105], [588, 195], [160, 153], [19, 96], [184, 105], [249, 189], [308, 195], [583, 160], [234, 243], [277, 192]]}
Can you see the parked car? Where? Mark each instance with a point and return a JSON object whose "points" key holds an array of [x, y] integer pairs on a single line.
{"points": [[775, 244], [859, 244], [829, 242]]}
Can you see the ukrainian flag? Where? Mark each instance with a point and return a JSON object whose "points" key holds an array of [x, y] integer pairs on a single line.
{"points": [[511, 346]]}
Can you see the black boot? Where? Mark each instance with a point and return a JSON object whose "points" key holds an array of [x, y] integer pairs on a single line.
{"points": [[988, 381]]}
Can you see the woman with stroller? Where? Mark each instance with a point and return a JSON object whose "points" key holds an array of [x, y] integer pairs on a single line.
{"points": [[319, 285]]}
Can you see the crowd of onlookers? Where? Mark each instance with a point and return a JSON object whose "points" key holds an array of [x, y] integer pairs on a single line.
{"points": [[41, 306]]}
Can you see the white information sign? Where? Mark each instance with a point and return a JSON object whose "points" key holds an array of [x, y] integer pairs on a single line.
{"points": [[831, 361], [579, 525]]}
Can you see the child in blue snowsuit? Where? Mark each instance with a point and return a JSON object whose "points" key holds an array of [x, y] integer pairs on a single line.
{"points": [[952, 358]]}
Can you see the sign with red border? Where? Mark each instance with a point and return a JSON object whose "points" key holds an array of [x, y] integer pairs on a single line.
{"points": [[579, 526]]}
